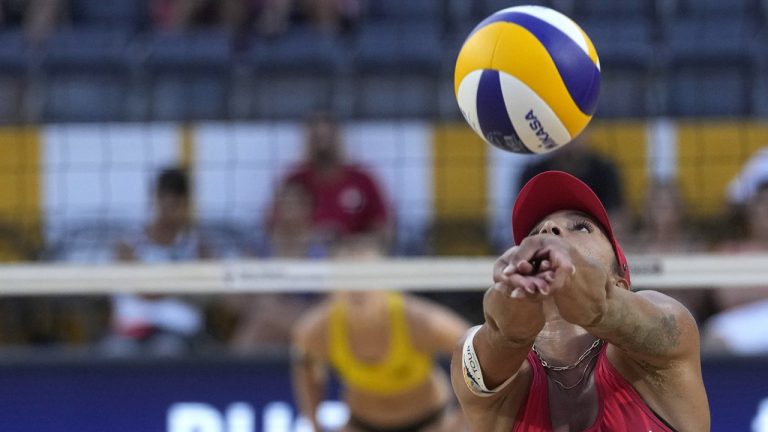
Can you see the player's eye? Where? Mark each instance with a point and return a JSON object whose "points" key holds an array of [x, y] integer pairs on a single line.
{"points": [[583, 226]]}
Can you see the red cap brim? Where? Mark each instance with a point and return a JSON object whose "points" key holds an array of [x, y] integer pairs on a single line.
{"points": [[553, 191]]}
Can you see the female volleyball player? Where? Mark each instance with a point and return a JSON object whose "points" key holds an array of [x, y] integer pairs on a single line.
{"points": [[566, 345], [382, 345]]}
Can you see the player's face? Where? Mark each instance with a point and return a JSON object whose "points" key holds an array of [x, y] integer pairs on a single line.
{"points": [[581, 231], [323, 141], [172, 209]]}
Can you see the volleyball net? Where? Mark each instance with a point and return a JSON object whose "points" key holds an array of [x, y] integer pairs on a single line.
{"points": [[411, 274]]}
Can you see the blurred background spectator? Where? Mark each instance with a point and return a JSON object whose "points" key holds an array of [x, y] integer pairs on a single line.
{"points": [[97, 94], [291, 231], [153, 323], [666, 227], [263, 321], [38, 18], [739, 327], [346, 198], [265, 17], [70, 65]]}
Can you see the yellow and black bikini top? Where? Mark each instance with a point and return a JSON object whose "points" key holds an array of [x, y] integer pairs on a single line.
{"points": [[404, 367]]}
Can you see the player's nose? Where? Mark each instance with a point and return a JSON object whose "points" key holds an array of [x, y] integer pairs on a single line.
{"points": [[550, 227]]}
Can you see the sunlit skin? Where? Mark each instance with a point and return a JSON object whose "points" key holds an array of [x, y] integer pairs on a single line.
{"points": [[561, 289]]}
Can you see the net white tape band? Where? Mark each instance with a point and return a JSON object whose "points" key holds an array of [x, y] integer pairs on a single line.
{"points": [[443, 274]]}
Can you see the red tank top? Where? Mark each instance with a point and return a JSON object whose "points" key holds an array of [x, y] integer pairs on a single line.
{"points": [[621, 407]]}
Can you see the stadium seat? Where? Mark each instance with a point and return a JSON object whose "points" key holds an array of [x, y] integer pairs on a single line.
{"points": [[189, 74], [87, 74], [708, 64], [715, 8], [621, 42], [626, 93], [396, 77], [129, 15], [87, 242], [295, 73], [707, 40], [610, 9], [14, 63], [405, 10], [487, 7], [707, 91], [625, 49], [760, 88]]}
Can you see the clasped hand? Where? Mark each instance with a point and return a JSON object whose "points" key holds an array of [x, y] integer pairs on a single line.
{"points": [[538, 267]]}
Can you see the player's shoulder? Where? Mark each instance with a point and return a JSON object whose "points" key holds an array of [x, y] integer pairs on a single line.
{"points": [[310, 333], [312, 323], [665, 302]]}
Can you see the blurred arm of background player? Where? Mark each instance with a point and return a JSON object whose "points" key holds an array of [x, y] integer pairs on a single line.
{"points": [[308, 356]]}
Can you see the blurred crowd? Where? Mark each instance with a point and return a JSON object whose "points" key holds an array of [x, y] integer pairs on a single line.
{"points": [[41, 18], [324, 201]]}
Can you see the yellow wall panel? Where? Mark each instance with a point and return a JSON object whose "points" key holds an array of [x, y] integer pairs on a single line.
{"points": [[712, 153], [460, 173], [19, 190], [624, 142]]}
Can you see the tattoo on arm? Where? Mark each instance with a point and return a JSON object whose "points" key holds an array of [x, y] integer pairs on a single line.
{"points": [[651, 337]]}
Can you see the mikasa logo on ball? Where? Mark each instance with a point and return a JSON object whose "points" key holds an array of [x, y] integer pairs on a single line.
{"points": [[543, 136]]}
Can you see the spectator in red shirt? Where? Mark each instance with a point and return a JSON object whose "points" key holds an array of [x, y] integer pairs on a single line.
{"points": [[346, 199]]}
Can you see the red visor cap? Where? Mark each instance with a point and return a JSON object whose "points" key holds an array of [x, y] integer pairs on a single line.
{"points": [[553, 191]]}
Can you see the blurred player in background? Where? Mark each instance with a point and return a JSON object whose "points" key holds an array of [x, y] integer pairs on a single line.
{"points": [[566, 345], [382, 345], [346, 199]]}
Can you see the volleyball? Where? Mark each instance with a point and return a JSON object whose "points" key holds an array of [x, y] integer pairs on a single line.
{"points": [[527, 79]]}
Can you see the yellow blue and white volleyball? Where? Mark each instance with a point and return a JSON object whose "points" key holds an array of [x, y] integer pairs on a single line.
{"points": [[527, 79]]}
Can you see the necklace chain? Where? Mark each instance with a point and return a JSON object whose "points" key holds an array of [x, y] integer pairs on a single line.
{"points": [[546, 365], [570, 366]]}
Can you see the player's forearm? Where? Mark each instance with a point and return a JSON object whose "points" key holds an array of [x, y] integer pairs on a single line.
{"points": [[504, 341], [638, 326], [308, 389], [517, 321]]}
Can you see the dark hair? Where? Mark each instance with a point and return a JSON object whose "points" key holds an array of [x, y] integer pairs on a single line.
{"points": [[761, 185], [172, 181]]}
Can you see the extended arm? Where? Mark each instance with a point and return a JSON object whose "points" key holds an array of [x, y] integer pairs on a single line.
{"points": [[500, 346], [309, 373], [309, 381], [649, 327]]}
